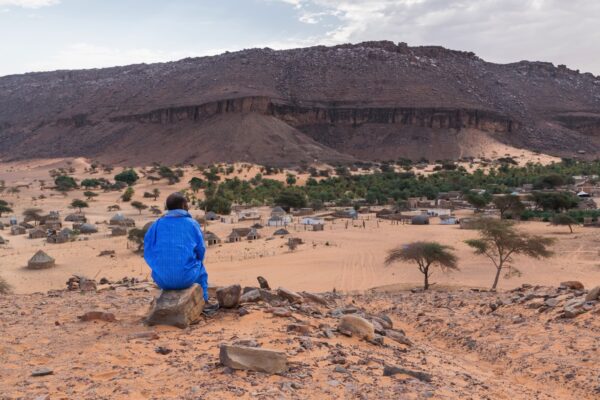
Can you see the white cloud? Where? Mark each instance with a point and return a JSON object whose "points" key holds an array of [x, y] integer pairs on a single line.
{"points": [[28, 3]]}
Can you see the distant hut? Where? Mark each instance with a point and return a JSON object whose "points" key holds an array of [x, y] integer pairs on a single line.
{"points": [[234, 237], [318, 227], [17, 230], [40, 260], [448, 220], [211, 216], [76, 217], [383, 213], [257, 226], [87, 229], [293, 242], [118, 231], [59, 237], [2, 241], [279, 220], [253, 235], [469, 223], [420, 220], [281, 232], [26, 225], [311, 221], [52, 224], [38, 233], [120, 220], [211, 239], [278, 212], [346, 213]]}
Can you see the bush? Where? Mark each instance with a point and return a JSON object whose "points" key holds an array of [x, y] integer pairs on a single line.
{"points": [[64, 183], [129, 176], [128, 194]]}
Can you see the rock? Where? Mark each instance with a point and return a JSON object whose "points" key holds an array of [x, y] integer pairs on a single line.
{"points": [[378, 328], [391, 370], [163, 350], [301, 329], [593, 294], [247, 289], [179, 308], [574, 307], [254, 359], [315, 298], [340, 370], [229, 297], [398, 337], [269, 296], [574, 285], [212, 291], [551, 302], [263, 283], [42, 371], [243, 311], [251, 297], [357, 326], [536, 303], [97, 316], [385, 324], [287, 294], [149, 335], [87, 285], [281, 312]]}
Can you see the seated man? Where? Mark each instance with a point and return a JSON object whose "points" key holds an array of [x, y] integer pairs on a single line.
{"points": [[174, 248]]}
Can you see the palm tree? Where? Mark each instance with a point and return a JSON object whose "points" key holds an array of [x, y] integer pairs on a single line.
{"points": [[426, 255]]}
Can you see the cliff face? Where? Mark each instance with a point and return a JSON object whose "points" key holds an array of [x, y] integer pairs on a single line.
{"points": [[370, 100]]}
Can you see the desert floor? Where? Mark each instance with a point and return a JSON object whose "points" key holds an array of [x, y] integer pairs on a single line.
{"points": [[345, 256]]}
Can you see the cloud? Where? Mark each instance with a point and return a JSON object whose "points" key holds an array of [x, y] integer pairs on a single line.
{"points": [[28, 3], [498, 30]]}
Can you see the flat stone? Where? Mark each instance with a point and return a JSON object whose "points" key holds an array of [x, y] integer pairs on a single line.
{"points": [[253, 359], [552, 302], [42, 371], [575, 285], [593, 294], [229, 297], [251, 297], [281, 312], [357, 326], [149, 335], [179, 308], [302, 329], [398, 337], [289, 295], [315, 298], [536, 303], [391, 370], [384, 323], [97, 316]]}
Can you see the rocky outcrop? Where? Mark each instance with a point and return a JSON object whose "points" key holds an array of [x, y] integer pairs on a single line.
{"points": [[179, 308]]}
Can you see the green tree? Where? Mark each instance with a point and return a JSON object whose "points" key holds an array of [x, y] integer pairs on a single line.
{"points": [[4, 207], [564, 220], [129, 176], [499, 241], [217, 204], [33, 214], [91, 183], [64, 183], [291, 197], [138, 205], [89, 194], [555, 201], [477, 200], [79, 204], [128, 194], [196, 184], [290, 179], [508, 202], [426, 255], [155, 193]]}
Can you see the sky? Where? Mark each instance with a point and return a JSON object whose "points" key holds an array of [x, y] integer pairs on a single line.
{"points": [[42, 35]]}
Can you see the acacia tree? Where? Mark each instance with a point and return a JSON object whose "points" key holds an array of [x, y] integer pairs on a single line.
{"points": [[79, 204], [33, 214], [564, 219], [89, 194], [138, 205], [155, 193], [4, 207], [426, 255], [499, 241], [508, 202]]}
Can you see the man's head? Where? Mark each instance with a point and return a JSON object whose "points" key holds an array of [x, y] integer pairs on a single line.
{"points": [[177, 201]]}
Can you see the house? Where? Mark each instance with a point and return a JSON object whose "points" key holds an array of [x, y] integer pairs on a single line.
{"points": [[211, 239], [318, 227], [237, 234], [281, 232], [278, 212], [120, 220], [59, 237], [252, 235], [118, 231], [76, 217], [279, 220], [40, 260], [248, 215], [384, 212], [38, 233], [303, 211], [87, 229], [420, 220], [438, 212], [448, 220], [311, 221], [17, 230], [211, 216], [346, 213]]}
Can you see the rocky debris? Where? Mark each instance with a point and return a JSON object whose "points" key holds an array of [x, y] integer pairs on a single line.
{"points": [[97, 316], [42, 371], [179, 308], [355, 325], [251, 296], [263, 283], [315, 298], [398, 337], [104, 253], [593, 294], [81, 283], [229, 297], [289, 295], [299, 328], [574, 285], [148, 335], [163, 350], [253, 359], [280, 312], [392, 370]]}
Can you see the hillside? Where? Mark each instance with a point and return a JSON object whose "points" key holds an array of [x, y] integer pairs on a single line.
{"points": [[373, 100]]}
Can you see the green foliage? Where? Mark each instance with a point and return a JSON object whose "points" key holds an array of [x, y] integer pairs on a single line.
{"points": [[129, 176], [217, 204], [138, 205], [79, 204], [136, 235], [290, 179], [565, 220], [499, 241], [554, 201], [128, 194], [32, 214], [169, 174], [89, 194], [508, 203], [4, 207], [477, 200], [291, 197], [425, 255], [64, 183], [196, 184]]}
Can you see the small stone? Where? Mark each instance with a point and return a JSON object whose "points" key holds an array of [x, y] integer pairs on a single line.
{"points": [[391, 370], [251, 297], [574, 285], [551, 302], [289, 295], [593, 294], [163, 350], [340, 370], [97, 316], [536, 303], [315, 298], [302, 329], [357, 325], [243, 311], [42, 371], [229, 297], [254, 359], [179, 308], [280, 312], [149, 335]]}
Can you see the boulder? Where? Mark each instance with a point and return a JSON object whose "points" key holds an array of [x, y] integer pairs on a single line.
{"points": [[574, 285], [281, 312], [315, 298], [179, 308], [536, 303], [251, 297], [253, 359], [290, 296], [593, 294], [357, 326], [229, 297], [263, 283]]}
